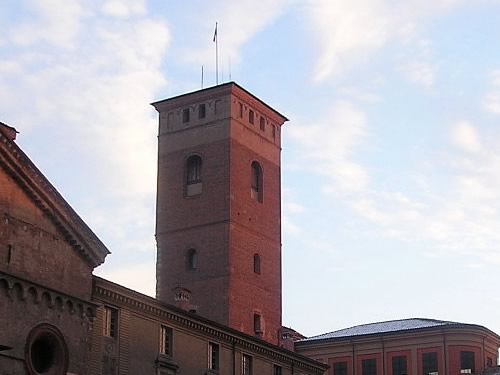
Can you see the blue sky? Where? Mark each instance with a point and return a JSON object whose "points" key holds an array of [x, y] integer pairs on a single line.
{"points": [[391, 158]]}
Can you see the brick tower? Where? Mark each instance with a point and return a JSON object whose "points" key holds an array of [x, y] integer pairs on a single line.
{"points": [[218, 223]]}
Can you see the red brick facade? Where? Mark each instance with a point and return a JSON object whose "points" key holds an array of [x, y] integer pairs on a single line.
{"points": [[440, 350], [225, 222]]}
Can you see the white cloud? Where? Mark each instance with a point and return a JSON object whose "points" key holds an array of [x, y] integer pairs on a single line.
{"points": [[349, 32], [465, 136], [491, 101], [57, 22], [123, 8], [331, 144]]}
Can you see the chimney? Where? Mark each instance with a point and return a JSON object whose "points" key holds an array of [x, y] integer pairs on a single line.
{"points": [[182, 296], [8, 131]]}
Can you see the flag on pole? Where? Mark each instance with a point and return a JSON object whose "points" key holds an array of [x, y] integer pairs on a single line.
{"points": [[215, 32]]}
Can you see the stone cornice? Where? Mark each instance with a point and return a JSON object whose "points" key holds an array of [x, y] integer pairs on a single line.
{"points": [[55, 299], [108, 292], [17, 164]]}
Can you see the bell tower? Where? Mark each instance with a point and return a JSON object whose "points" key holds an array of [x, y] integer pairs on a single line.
{"points": [[218, 220]]}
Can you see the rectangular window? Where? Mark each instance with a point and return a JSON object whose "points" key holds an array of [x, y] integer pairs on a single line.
{"points": [[399, 365], [256, 324], [213, 356], [241, 110], [340, 368], [251, 117], [467, 363], [274, 132], [246, 365], [166, 340], [369, 366], [110, 322], [185, 115], [202, 109], [277, 370], [430, 363]]}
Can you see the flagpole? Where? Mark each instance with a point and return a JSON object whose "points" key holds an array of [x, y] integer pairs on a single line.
{"points": [[216, 56]]}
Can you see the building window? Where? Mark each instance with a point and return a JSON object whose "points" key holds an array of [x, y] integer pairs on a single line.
{"points": [[399, 365], [193, 168], [277, 370], [246, 365], [257, 327], [185, 115], [430, 363], [467, 363], [256, 189], [274, 131], [241, 110], [166, 340], [191, 259], [256, 264], [202, 109], [251, 117], [369, 366], [213, 356], [262, 123], [340, 368], [110, 322]]}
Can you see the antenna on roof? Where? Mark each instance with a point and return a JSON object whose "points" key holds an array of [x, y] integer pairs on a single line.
{"points": [[202, 76], [216, 56]]}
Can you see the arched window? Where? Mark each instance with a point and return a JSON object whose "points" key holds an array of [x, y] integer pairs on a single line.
{"points": [[256, 264], [193, 175], [191, 259], [257, 186]]}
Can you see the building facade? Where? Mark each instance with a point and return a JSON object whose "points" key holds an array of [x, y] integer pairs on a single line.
{"points": [[57, 318], [405, 347], [218, 226]]}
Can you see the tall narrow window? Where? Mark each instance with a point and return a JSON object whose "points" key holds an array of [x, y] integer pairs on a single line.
{"points": [[262, 123], [256, 264], [193, 175], [110, 322], [185, 115], [191, 259], [213, 356], [274, 131], [241, 110], [193, 170], [430, 363], [166, 340], [202, 109], [257, 327], [251, 116], [399, 365], [246, 365], [467, 363], [256, 188], [369, 366], [340, 368], [277, 370]]}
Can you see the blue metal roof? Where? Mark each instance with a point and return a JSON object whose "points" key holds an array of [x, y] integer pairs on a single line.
{"points": [[383, 327]]}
